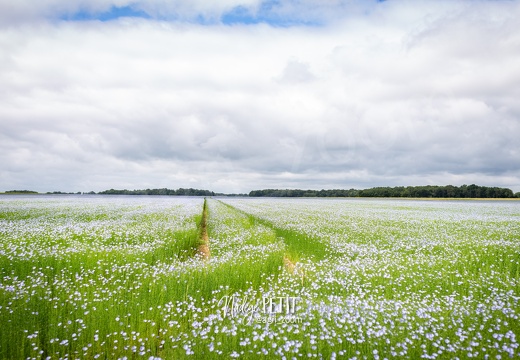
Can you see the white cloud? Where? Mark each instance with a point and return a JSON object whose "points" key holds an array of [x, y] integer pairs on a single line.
{"points": [[296, 72], [405, 94]]}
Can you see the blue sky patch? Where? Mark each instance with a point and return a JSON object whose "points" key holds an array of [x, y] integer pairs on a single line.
{"points": [[113, 14], [266, 14], [269, 12]]}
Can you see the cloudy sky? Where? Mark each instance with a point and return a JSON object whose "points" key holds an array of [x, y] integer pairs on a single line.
{"points": [[236, 95]]}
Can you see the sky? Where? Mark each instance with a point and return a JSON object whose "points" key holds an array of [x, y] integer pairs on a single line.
{"points": [[237, 95]]}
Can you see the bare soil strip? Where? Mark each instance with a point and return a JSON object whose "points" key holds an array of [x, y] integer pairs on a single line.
{"points": [[203, 248], [289, 265]]}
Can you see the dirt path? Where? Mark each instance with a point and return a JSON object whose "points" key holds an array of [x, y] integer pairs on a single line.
{"points": [[289, 265], [203, 249]]}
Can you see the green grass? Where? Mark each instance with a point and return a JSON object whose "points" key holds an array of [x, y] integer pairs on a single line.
{"points": [[392, 279]]}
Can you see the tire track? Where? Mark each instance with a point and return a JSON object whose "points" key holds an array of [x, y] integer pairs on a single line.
{"points": [[203, 251]]}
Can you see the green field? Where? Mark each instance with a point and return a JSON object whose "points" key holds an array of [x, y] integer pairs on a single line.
{"points": [[120, 277]]}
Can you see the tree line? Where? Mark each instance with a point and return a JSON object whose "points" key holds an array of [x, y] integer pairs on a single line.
{"points": [[429, 191], [20, 192], [164, 191]]}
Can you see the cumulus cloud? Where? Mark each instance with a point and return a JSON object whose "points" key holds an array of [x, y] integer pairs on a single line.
{"points": [[404, 94], [296, 72]]}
